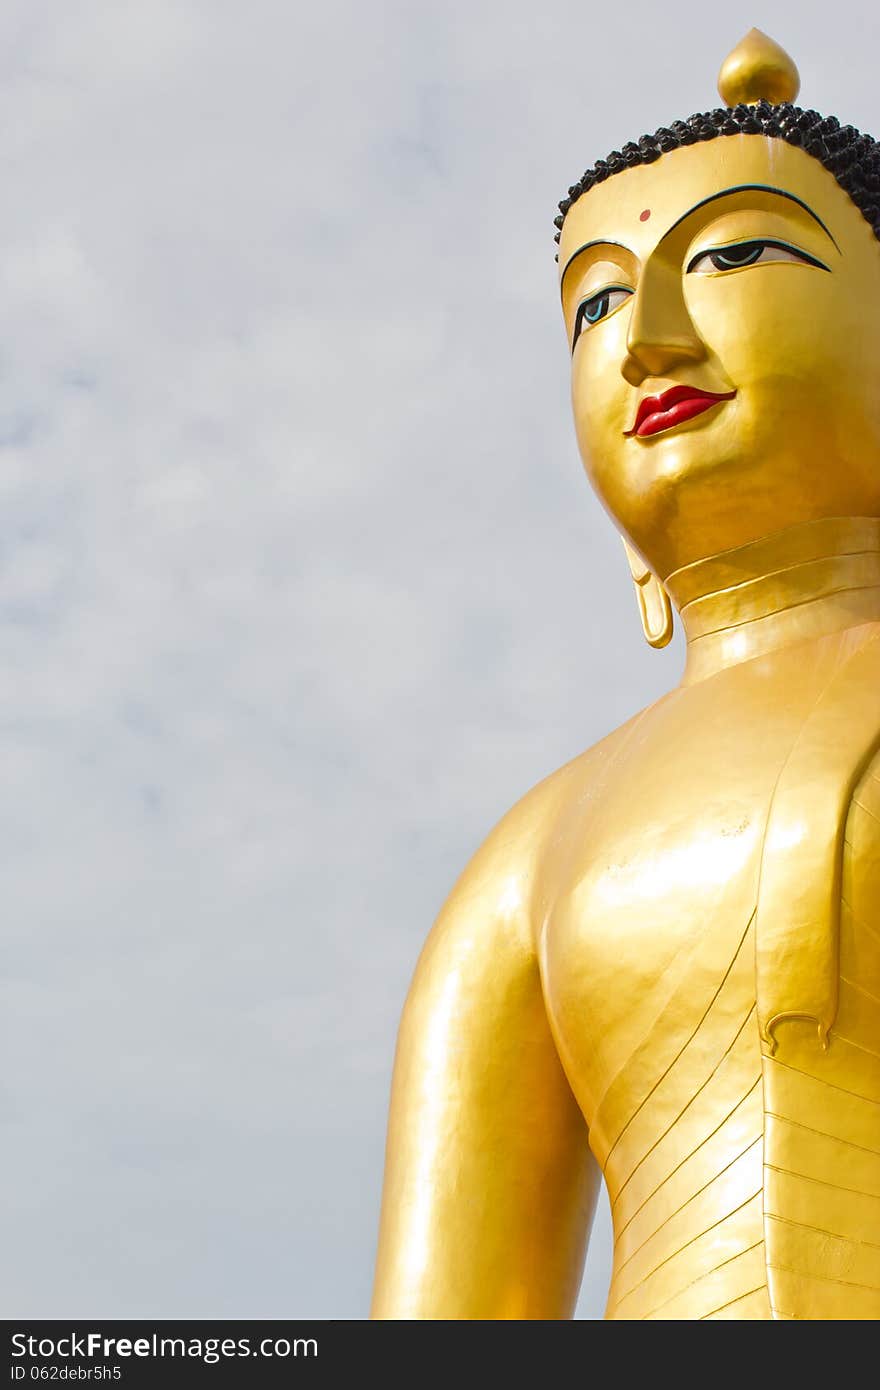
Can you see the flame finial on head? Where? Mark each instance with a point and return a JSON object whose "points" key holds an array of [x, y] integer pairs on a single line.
{"points": [[758, 69]]}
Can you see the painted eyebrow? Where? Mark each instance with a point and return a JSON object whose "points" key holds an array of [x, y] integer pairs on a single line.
{"points": [[588, 246], [704, 202], [748, 188]]}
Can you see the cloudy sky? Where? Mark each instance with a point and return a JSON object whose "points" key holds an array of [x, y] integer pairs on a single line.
{"points": [[301, 586]]}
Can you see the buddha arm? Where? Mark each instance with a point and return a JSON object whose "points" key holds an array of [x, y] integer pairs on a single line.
{"points": [[489, 1183]]}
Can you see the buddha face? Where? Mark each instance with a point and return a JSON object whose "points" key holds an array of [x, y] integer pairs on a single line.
{"points": [[723, 310]]}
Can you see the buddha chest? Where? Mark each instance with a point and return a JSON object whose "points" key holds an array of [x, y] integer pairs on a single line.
{"points": [[648, 959], [656, 870]]}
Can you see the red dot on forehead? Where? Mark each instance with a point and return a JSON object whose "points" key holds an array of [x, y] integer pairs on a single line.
{"points": [[643, 216]]}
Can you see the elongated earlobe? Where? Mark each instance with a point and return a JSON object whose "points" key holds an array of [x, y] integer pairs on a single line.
{"points": [[655, 610]]}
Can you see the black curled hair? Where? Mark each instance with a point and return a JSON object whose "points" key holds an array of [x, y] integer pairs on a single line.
{"points": [[853, 158]]}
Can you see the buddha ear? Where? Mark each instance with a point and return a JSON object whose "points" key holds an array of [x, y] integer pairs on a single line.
{"points": [[655, 610]]}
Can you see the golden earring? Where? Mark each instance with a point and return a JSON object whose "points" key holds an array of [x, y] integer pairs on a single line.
{"points": [[655, 610]]}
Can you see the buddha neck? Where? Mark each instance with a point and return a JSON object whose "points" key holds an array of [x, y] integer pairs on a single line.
{"points": [[799, 584]]}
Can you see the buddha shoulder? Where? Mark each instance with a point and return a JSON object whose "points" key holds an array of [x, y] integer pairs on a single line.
{"points": [[499, 897]]}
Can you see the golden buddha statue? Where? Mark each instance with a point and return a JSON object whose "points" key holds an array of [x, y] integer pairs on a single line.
{"points": [[662, 969]]}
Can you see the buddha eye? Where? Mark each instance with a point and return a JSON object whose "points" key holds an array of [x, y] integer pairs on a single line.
{"points": [[745, 253], [598, 306]]}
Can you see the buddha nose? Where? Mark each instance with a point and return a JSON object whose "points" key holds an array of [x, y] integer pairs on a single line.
{"points": [[662, 334]]}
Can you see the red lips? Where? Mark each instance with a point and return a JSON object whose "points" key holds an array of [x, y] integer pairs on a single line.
{"points": [[679, 403]]}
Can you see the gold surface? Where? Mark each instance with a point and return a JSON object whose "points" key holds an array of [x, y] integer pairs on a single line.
{"points": [[758, 68], [662, 969]]}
